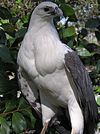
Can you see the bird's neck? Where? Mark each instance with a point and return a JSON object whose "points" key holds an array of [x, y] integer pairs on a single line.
{"points": [[43, 30], [38, 24]]}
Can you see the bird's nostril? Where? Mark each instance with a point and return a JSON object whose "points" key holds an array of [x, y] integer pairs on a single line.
{"points": [[56, 8]]}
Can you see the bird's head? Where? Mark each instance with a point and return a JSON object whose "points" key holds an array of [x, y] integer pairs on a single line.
{"points": [[48, 10]]}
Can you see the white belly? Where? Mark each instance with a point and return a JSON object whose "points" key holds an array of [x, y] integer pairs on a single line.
{"points": [[56, 91], [56, 87]]}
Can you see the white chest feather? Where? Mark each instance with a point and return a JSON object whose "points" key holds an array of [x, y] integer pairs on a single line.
{"points": [[48, 57], [49, 52]]}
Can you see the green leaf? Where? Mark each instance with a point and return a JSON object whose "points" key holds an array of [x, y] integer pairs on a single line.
{"points": [[98, 100], [92, 23], [18, 1], [98, 89], [18, 122], [5, 13], [2, 131], [10, 105], [13, 20], [5, 54], [20, 33], [3, 39], [14, 55], [25, 18], [68, 32], [83, 52], [33, 120], [67, 10], [28, 114], [4, 127], [9, 28], [22, 103]]}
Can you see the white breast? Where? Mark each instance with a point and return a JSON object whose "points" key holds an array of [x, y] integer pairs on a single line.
{"points": [[49, 53]]}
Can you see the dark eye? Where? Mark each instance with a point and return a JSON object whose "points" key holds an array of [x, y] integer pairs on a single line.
{"points": [[46, 9]]}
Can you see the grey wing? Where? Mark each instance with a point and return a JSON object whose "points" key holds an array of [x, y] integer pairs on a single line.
{"points": [[29, 90], [82, 87]]}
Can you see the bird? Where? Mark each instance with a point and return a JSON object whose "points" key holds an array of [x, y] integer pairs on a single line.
{"points": [[52, 76]]}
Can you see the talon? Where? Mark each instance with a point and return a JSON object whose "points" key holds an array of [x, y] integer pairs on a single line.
{"points": [[44, 129]]}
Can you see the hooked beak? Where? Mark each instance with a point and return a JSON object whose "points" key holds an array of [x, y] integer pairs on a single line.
{"points": [[56, 12]]}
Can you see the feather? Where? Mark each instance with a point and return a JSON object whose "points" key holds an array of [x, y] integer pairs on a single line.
{"points": [[83, 91], [54, 74]]}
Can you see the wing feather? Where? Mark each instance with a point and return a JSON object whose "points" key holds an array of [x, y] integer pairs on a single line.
{"points": [[83, 91], [29, 91]]}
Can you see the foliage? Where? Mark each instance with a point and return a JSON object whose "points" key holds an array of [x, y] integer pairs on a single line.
{"points": [[16, 116]]}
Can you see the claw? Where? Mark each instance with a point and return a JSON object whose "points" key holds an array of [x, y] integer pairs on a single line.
{"points": [[44, 129]]}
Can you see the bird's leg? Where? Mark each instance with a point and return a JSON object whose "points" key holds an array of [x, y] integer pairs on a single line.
{"points": [[44, 129], [76, 116], [73, 131], [48, 110]]}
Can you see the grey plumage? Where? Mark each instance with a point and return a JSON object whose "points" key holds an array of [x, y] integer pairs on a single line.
{"points": [[83, 92]]}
